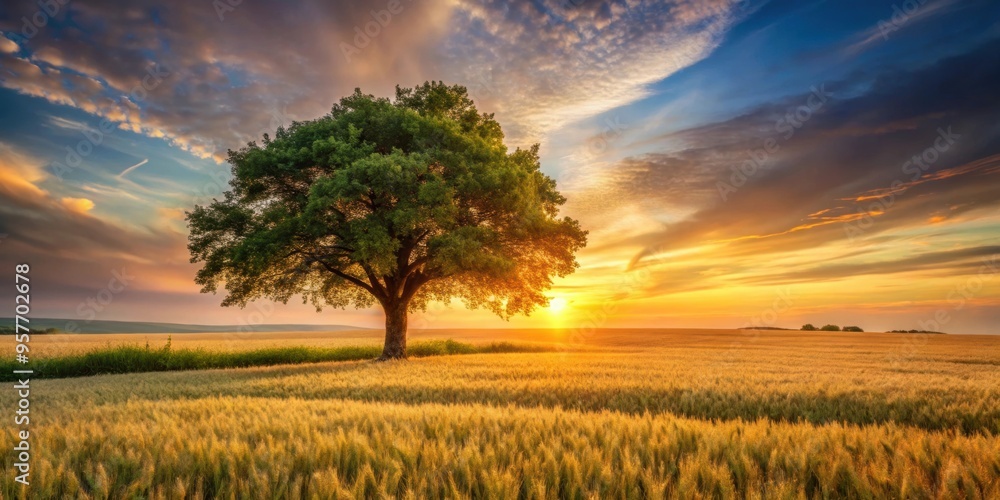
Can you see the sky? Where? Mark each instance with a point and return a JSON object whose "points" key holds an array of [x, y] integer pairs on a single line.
{"points": [[737, 163]]}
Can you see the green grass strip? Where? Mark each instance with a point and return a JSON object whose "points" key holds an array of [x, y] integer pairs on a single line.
{"points": [[137, 359]]}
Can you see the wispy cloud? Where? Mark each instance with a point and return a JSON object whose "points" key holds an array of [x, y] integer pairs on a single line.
{"points": [[133, 167]]}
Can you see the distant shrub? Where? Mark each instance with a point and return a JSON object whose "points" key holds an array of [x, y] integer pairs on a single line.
{"points": [[808, 327], [914, 331], [830, 328], [853, 329]]}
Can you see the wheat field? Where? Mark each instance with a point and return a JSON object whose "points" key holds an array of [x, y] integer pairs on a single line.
{"points": [[622, 414]]}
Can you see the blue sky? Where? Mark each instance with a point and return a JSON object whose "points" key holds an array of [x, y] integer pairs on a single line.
{"points": [[644, 111]]}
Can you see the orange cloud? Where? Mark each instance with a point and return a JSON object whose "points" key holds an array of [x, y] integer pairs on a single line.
{"points": [[20, 172], [170, 213], [988, 165], [78, 205], [6, 45], [20, 175]]}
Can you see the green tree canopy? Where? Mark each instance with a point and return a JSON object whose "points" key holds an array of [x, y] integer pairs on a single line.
{"points": [[395, 202]]}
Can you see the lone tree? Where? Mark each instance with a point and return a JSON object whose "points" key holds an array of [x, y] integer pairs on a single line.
{"points": [[397, 202]]}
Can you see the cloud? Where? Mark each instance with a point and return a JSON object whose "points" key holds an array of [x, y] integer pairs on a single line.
{"points": [[895, 20], [542, 66], [20, 172], [171, 213], [7, 45], [78, 205], [67, 124], [133, 167], [958, 262], [830, 175], [984, 166], [73, 253], [70, 253], [152, 68]]}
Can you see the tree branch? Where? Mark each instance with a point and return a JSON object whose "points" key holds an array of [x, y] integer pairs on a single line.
{"points": [[413, 285], [348, 277], [375, 283], [351, 279]]}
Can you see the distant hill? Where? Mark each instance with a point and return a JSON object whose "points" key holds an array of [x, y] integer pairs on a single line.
{"points": [[145, 327]]}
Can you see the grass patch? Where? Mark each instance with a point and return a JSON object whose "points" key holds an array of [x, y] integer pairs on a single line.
{"points": [[137, 359]]}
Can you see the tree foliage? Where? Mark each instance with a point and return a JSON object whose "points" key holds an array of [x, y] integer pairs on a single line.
{"points": [[395, 202]]}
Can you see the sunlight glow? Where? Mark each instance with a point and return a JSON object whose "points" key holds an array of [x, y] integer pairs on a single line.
{"points": [[557, 305]]}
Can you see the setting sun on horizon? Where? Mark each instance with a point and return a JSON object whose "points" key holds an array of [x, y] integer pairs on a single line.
{"points": [[557, 305]]}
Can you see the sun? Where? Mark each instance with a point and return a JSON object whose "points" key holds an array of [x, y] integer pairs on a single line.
{"points": [[557, 305]]}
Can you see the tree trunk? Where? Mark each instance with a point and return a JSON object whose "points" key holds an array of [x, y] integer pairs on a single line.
{"points": [[395, 332]]}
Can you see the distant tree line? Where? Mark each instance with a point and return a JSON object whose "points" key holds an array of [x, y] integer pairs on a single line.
{"points": [[9, 330], [808, 327]]}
